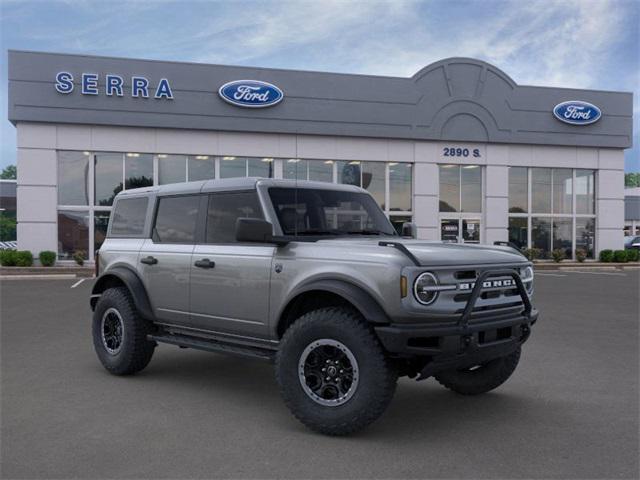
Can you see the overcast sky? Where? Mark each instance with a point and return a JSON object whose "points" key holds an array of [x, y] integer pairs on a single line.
{"points": [[565, 43]]}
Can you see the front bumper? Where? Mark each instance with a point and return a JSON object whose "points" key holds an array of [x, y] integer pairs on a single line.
{"points": [[449, 347], [467, 342]]}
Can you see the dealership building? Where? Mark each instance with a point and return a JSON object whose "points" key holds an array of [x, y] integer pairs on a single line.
{"points": [[459, 149]]}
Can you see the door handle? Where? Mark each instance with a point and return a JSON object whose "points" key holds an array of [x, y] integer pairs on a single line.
{"points": [[205, 263], [149, 260]]}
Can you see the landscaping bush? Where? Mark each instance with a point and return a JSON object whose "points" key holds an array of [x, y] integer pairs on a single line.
{"points": [[633, 255], [606, 256], [581, 254], [531, 253], [24, 258], [79, 256], [620, 256], [8, 258], [47, 258], [558, 255]]}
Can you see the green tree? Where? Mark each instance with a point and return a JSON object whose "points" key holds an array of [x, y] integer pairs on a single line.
{"points": [[9, 173], [7, 228], [632, 180]]}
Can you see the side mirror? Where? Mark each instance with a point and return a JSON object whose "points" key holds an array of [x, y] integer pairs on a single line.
{"points": [[408, 230], [256, 230]]}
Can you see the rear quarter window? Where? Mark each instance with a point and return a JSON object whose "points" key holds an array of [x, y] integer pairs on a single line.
{"points": [[129, 216], [176, 219]]}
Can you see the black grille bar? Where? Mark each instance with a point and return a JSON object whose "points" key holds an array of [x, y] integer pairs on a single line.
{"points": [[477, 291]]}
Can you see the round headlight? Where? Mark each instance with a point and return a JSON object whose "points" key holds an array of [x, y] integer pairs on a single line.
{"points": [[425, 288], [527, 279]]}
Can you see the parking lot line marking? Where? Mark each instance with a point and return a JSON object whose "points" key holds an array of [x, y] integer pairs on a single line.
{"points": [[78, 283], [551, 274], [599, 273]]}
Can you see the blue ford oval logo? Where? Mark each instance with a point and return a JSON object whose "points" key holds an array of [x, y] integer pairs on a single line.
{"points": [[577, 112], [250, 93]]}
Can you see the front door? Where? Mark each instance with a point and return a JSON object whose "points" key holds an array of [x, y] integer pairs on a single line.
{"points": [[230, 281], [460, 230], [165, 259]]}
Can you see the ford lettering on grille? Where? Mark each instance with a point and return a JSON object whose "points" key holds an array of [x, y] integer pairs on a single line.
{"points": [[507, 282]]}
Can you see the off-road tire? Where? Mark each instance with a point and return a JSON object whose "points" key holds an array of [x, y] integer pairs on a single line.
{"points": [[136, 351], [377, 375], [480, 380]]}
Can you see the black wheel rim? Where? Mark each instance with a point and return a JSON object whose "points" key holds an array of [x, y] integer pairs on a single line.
{"points": [[112, 330], [328, 372]]}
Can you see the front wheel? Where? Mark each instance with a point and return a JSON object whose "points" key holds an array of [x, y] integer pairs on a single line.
{"points": [[480, 378], [120, 334], [333, 373]]}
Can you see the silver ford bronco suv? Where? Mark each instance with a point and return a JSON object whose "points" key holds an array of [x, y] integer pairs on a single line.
{"points": [[313, 277]]}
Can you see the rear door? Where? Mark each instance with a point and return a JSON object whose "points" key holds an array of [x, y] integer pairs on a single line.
{"points": [[230, 280], [165, 258]]}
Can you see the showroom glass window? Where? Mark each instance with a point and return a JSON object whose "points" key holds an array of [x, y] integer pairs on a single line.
{"points": [[231, 167], [460, 188], [89, 181], [315, 170], [185, 168], [390, 184], [73, 178], [552, 209], [172, 169], [138, 170], [460, 203], [200, 167]]}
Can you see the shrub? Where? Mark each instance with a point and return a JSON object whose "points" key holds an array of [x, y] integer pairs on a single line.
{"points": [[606, 256], [581, 254], [24, 258], [633, 255], [79, 256], [47, 258], [531, 253], [558, 255], [8, 258], [620, 256]]}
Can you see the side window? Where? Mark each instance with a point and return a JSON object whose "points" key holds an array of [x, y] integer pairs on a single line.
{"points": [[176, 219], [225, 209], [128, 217]]}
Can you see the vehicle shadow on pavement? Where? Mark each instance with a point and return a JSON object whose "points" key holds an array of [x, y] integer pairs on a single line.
{"points": [[418, 409]]}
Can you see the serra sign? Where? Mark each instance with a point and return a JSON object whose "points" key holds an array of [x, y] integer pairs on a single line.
{"points": [[250, 93], [113, 85]]}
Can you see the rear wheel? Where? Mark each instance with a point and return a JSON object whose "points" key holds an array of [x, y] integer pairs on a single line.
{"points": [[333, 373], [120, 333], [480, 378]]}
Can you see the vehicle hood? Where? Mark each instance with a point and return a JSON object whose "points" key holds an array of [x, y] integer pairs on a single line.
{"points": [[432, 253]]}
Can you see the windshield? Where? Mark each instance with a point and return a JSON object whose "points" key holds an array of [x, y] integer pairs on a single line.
{"points": [[317, 212]]}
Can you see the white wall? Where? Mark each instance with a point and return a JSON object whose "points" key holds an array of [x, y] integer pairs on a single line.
{"points": [[37, 188], [37, 196]]}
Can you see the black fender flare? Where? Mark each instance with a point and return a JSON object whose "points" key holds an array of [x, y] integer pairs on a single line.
{"points": [[354, 294], [133, 283]]}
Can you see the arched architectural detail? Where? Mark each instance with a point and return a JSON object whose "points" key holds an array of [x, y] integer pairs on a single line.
{"points": [[465, 120], [447, 63]]}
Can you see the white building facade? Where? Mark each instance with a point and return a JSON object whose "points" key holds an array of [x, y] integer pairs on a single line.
{"points": [[480, 160]]}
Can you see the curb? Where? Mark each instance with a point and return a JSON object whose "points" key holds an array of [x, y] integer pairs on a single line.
{"points": [[52, 276], [586, 266], [51, 272]]}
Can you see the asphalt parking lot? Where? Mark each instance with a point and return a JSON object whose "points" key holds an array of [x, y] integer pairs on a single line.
{"points": [[569, 411]]}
